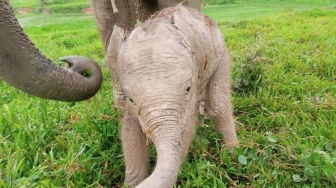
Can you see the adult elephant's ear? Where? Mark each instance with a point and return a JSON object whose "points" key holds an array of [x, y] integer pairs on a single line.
{"points": [[117, 38]]}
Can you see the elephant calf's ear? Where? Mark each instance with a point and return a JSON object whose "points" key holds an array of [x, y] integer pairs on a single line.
{"points": [[117, 38]]}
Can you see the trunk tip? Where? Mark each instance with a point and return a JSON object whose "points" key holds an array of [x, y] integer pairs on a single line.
{"points": [[82, 65]]}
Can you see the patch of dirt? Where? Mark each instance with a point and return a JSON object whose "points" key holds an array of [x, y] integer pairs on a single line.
{"points": [[24, 10], [87, 10]]}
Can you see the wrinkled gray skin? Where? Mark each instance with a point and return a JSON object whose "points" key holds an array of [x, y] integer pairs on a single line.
{"points": [[129, 11], [166, 67], [23, 66]]}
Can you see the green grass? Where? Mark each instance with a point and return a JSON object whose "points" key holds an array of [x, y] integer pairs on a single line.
{"points": [[237, 12], [284, 74], [54, 6], [226, 2], [37, 3], [39, 22]]}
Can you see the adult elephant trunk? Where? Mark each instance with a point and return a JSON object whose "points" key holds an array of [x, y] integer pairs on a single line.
{"points": [[171, 129], [23, 66]]}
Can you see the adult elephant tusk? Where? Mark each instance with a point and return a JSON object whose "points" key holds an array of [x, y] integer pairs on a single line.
{"points": [[114, 7]]}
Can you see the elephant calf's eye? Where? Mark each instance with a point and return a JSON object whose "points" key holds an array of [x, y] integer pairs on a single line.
{"points": [[129, 96], [188, 89], [131, 100]]}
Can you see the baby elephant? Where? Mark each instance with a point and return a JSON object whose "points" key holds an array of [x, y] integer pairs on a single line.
{"points": [[162, 71]]}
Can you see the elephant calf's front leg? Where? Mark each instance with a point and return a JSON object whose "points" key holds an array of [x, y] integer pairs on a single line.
{"points": [[135, 150]]}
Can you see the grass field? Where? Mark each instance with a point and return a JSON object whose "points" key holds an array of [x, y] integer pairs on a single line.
{"points": [[47, 3], [284, 83]]}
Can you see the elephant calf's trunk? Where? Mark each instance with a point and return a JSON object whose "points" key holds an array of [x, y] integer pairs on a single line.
{"points": [[171, 138]]}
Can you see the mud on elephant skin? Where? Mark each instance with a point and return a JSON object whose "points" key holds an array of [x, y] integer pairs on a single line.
{"points": [[162, 71], [23, 66]]}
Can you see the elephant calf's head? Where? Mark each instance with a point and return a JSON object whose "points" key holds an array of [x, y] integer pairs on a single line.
{"points": [[158, 75]]}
